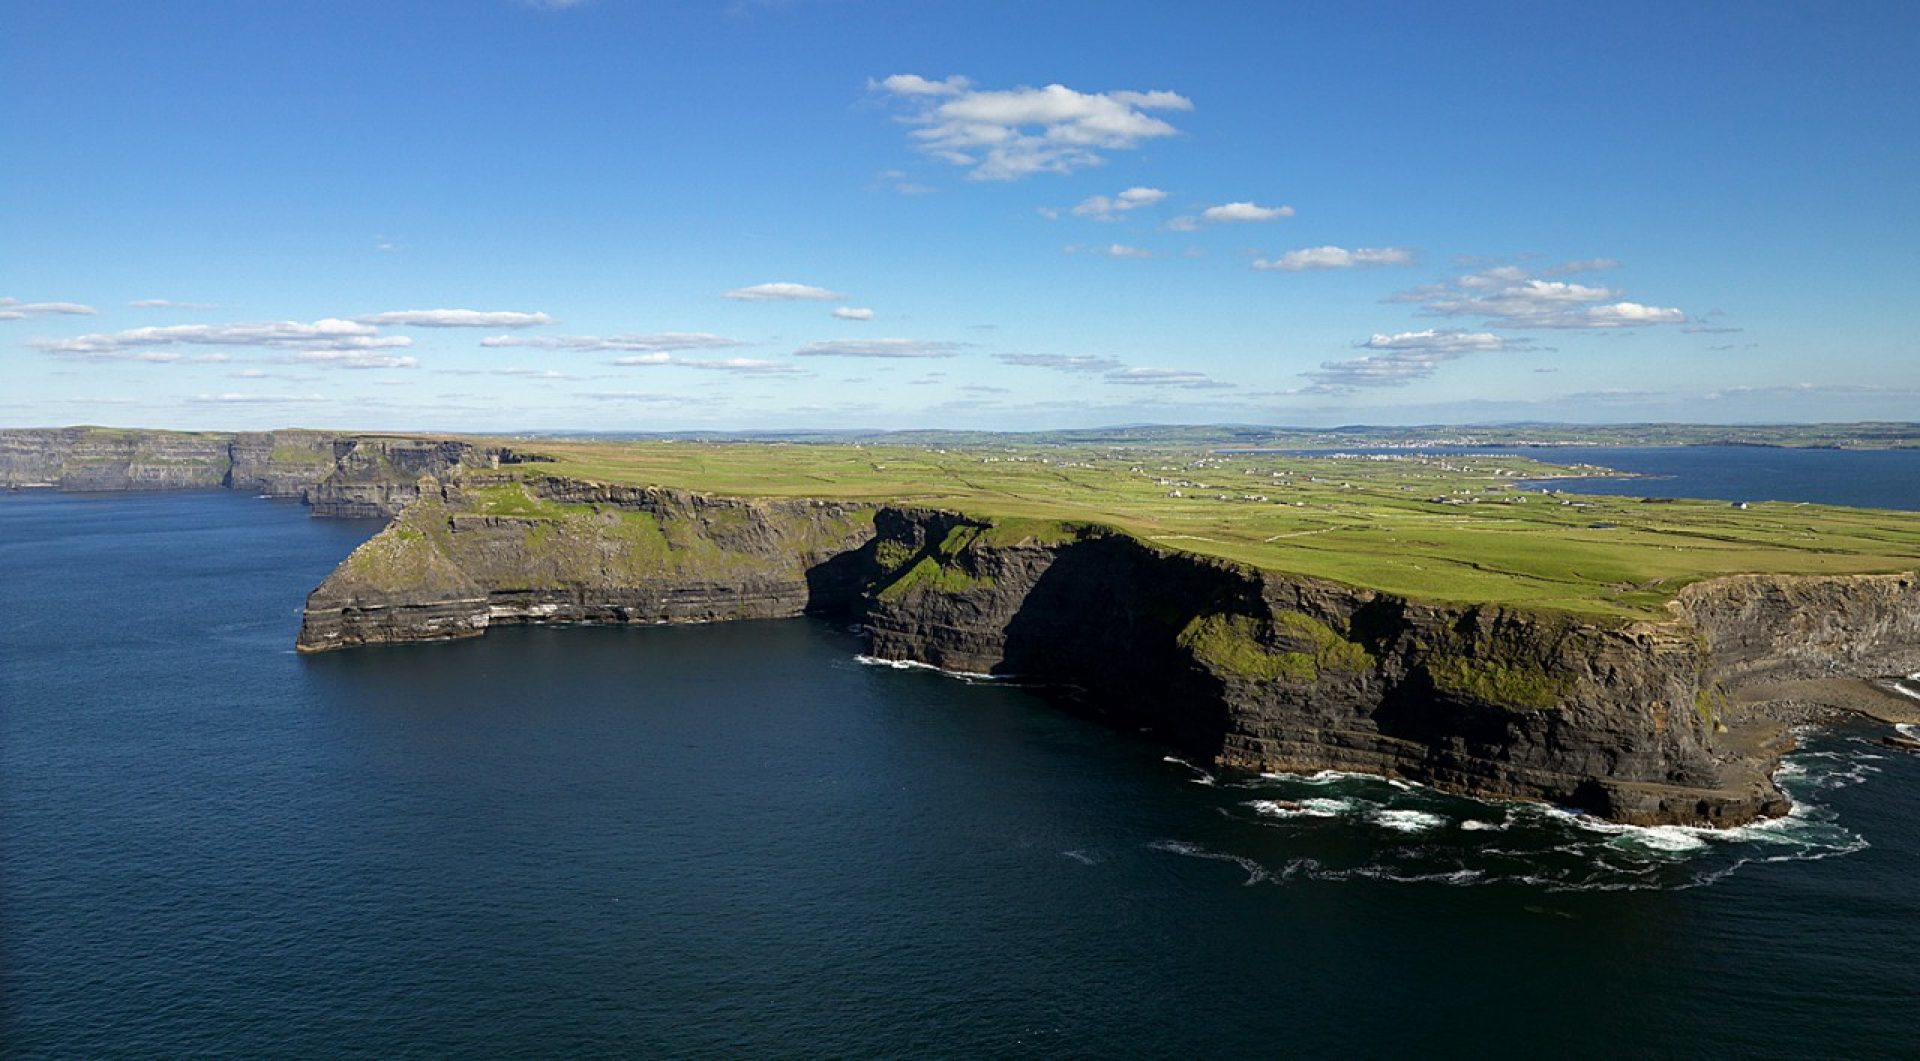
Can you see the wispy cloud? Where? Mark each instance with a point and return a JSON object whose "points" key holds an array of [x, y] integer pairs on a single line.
{"points": [[1165, 377], [626, 341], [853, 313], [457, 318], [1112, 208], [12, 309], [901, 182], [1331, 257], [1401, 358], [1110, 250], [748, 365], [1583, 265], [235, 398], [880, 348], [783, 291], [328, 334], [1508, 296], [352, 359], [635, 397], [167, 303], [1061, 362], [1013, 133]]}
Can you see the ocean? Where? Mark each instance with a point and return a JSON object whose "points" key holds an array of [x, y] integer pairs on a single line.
{"points": [[741, 840]]}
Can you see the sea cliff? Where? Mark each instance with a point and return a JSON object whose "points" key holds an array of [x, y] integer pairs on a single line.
{"points": [[1244, 668], [354, 476]]}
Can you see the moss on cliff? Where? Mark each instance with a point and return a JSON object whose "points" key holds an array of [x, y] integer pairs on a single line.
{"points": [[946, 567], [1289, 647], [1512, 685]]}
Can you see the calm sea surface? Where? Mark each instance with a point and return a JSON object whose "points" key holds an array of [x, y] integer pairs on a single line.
{"points": [[738, 840], [1862, 478]]}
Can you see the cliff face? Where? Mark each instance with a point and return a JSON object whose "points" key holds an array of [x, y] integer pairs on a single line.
{"points": [[1282, 673], [1247, 669], [345, 476], [372, 478], [91, 458], [480, 552]]}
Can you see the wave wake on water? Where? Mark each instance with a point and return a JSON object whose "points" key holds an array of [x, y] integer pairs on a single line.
{"points": [[911, 664], [1335, 826]]}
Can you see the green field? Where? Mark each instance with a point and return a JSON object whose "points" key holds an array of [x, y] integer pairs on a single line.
{"points": [[1453, 528]]}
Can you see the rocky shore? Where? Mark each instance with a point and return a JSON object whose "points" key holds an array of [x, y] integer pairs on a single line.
{"points": [[1646, 722]]}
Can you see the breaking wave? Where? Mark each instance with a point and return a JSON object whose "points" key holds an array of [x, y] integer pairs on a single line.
{"points": [[911, 664], [1333, 826]]}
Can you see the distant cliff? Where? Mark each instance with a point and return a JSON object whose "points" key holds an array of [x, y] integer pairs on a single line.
{"points": [[1245, 668], [338, 475]]}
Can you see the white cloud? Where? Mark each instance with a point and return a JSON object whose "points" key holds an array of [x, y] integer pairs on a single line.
{"points": [[640, 397], [886, 348], [1508, 296], [1013, 133], [352, 359], [1232, 212], [12, 309], [1111, 250], [327, 334], [457, 318], [167, 303], [1331, 257], [1403, 357], [853, 313], [1583, 265], [1062, 362], [784, 292], [233, 398], [597, 343], [1184, 223], [900, 181], [644, 359], [915, 85], [1109, 208], [748, 365], [1624, 313], [1433, 340], [1165, 377]]}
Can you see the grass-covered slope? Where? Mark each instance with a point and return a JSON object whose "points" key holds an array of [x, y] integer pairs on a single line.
{"points": [[1445, 529]]}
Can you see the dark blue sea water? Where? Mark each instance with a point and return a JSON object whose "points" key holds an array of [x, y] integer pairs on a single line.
{"points": [[736, 840], [1861, 478]]}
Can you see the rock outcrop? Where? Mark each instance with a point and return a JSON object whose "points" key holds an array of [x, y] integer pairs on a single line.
{"points": [[351, 476], [98, 458], [486, 551], [1247, 669]]}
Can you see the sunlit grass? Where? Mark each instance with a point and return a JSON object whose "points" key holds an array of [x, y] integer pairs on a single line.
{"points": [[1366, 522]]}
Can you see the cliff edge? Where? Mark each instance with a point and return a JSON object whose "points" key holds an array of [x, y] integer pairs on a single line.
{"points": [[1244, 668]]}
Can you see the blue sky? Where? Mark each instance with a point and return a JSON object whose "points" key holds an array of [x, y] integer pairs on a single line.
{"points": [[810, 213]]}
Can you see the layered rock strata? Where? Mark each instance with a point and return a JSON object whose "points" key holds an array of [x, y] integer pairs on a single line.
{"points": [[1246, 669], [352, 476]]}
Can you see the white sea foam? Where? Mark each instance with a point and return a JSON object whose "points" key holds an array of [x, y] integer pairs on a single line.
{"points": [[1407, 821], [1201, 777], [914, 664], [1908, 729], [1328, 777], [1255, 871], [1306, 808]]}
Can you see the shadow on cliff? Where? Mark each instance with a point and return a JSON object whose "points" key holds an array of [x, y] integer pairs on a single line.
{"points": [[1101, 622]]}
